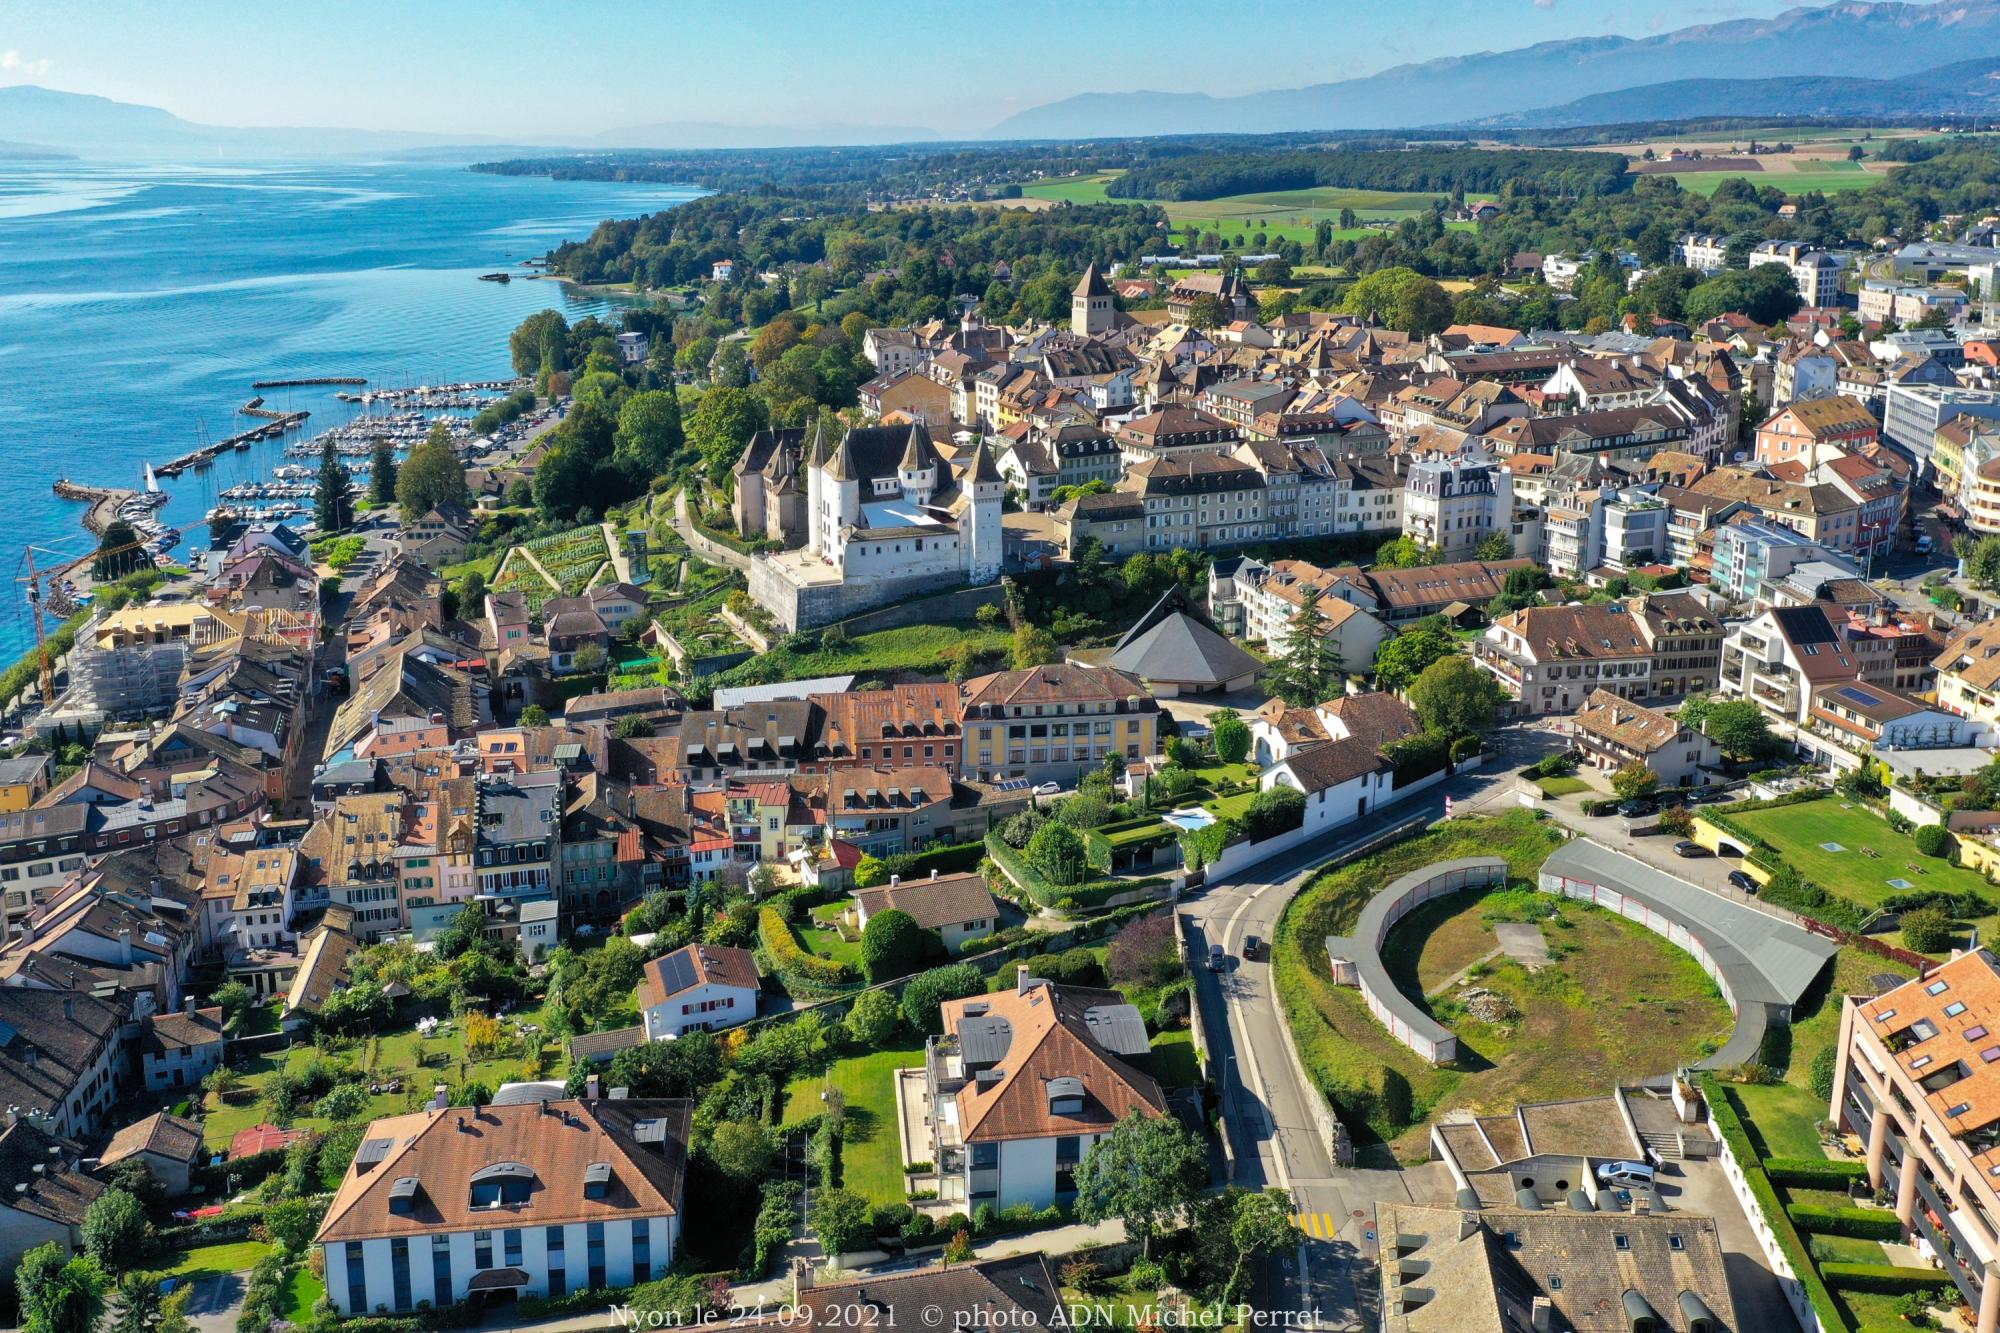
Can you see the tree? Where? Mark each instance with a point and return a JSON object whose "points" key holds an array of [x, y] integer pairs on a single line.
{"points": [[721, 426], [235, 1000], [923, 993], [840, 1220], [1739, 727], [135, 1304], [649, 434], [1306, 674], [1402, 659], [870, 872], [1401, 298], [430, 476], [382, 474], [1230, 736], [892, 945], [1766, 293], [333, 495], [113, 563], [1522, 587], [1143, 1172], [534, 715], [741, 1149], [1982, 563], [630, 728], [1260, 1222], [1634, 781], [525, 344], [1928, 929], [115, 1230], [1033, 647], [294, 1222], [1205, 312], [59, 1295], [1057, 851], [1494, 546], [1455, 697], [873, 1019]]}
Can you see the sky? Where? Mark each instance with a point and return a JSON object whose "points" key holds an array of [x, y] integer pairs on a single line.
{"points": [[528, 71]]}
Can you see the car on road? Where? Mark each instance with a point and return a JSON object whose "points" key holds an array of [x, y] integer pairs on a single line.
{"points": [[1631, 1175], [1049, 789], [1252, 946], [1217, 959], [1741, 879], [1690, 849]]}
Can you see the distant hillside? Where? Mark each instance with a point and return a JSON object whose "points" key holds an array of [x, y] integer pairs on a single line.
{"points": [[1967, 88], [30, 152], [1888, 40]]}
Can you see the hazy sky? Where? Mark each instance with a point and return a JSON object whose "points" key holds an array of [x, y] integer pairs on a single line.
{"points": [[529, 70]]}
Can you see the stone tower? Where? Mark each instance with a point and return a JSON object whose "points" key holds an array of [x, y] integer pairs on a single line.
{"points": [[1090, 305], [985, 490]]}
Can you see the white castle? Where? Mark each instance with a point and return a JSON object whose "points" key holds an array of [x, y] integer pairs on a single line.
{"points": [[886, 518]]}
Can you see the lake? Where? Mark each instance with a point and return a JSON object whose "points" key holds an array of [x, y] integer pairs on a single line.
{"points": [[138, 302]]}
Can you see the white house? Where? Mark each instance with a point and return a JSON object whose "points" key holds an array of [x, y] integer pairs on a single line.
{"points": [[179, 1050], [1345, 775], [959, 908], [1023, 1082], [701, 987], [455, 1204]]}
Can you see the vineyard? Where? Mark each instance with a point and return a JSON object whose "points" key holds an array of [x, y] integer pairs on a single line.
{"points": [[562, 565]]}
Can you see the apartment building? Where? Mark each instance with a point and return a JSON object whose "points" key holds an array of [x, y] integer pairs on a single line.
{"points": [[1551, 659], [1915, 1078], [1614, 732], [1968, 673], [1199, 500], [1816, 429], [1815, 272], [1748, 552], [1455, 502], [1051, 722]]}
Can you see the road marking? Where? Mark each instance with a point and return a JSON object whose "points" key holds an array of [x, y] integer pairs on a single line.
{"points": [[1320, 1226]]}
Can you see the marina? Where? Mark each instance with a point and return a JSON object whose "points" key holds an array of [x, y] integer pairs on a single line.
{"points": [[282, 424]]}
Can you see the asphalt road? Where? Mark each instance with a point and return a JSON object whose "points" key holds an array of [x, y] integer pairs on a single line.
{"points": [[1268, 1108]]}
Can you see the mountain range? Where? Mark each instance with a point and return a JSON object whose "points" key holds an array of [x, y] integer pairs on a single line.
{"points": [[1881, 39]]}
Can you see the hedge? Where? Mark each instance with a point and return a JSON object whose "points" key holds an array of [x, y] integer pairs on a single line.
{"points": [[1859, 1223], [1090, 893], [1729, 1124], [1814, 1173], [1885, 1279], [790, 957], [955, 859]]}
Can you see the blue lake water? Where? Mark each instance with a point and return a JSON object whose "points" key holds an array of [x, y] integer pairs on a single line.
{"points": [[137, 304]]}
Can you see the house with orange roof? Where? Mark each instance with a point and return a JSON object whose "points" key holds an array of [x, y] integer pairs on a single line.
{"points": [[697, 988]]}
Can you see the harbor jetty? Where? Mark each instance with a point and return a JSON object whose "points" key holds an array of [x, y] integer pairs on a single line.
{"points": [[310, 382], [255, 408], [202, 457], [109, 502]]}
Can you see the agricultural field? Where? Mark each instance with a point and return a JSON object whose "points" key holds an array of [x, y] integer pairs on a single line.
{"points": [[1280, 215]]}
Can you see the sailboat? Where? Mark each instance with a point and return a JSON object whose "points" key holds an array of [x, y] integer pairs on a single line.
{"points": [[152, 482]]}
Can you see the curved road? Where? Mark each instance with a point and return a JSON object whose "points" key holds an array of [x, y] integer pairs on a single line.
{"points": [[1268, 1107]]}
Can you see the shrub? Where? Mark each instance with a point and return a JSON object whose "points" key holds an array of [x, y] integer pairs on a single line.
{"points": [[1887, 1279], [892, 945], [927, 990], [1859, 1223], [1928, 929], [1273, 811], [1933, 840], [1058, 853], [1820, 1076], [1231, 737], [1814, 1173], [1677, 821]]}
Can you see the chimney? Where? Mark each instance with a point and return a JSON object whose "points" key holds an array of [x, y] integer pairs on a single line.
{"points": [[440, 1096], [593, 1088], [1023, 982], [934, 873], [1542, 1315], [802, 1276], [13, 1115], [69, 1008], [1468, 1224], [31, 1055]]}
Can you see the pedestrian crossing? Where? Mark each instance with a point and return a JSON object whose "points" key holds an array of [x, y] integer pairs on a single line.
{"points": [[1318, 1226]]}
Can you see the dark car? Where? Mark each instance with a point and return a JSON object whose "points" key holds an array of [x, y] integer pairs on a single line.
{"points": [[1743, 881], [1687, 848], [1636, 809], [1708, 796], [1252, 946]]}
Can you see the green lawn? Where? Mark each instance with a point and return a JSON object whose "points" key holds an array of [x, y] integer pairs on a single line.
{"points": [[1561, 786], [304, 1291], [400, 1054], [1825, 177], [1174, 1062], [826, 942], [872, 1155], [210, 1260], [1798, 832]]}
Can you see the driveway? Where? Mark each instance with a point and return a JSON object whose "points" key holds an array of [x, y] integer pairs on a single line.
{"points": [[216, 1302], [1690, 1186]]}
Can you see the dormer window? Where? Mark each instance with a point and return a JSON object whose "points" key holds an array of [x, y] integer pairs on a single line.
{"points": [[597, 1181], [503, 1184], [403, 1196]]}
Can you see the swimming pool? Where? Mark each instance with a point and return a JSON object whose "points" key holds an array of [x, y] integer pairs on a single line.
{"points": [[1189, 819]]}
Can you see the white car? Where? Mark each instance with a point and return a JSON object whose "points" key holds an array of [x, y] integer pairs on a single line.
{"points": [[1049, 789], [1631, 1175]]}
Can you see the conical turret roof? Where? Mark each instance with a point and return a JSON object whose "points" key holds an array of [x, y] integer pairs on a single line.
{"points": [[981, 467]]}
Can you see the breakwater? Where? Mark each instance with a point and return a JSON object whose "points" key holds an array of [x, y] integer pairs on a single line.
{"points": [[202, 457], [309, 382]]}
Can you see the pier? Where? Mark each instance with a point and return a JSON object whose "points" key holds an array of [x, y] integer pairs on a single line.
{"points": [[255, 408], [105, 502], [310, 382], [202, 457]]}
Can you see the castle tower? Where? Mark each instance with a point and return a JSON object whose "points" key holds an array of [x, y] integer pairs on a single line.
{"points": [[1090, 305], [815, 488], [917, 473], [841, 487], [986, 489]]}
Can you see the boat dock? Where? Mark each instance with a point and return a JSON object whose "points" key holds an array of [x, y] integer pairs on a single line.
{"points": [[202, 457], [310, 382]]}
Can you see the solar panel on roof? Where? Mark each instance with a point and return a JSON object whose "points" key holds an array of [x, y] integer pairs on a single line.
{"points": [[676, 973], [1852, 695]]}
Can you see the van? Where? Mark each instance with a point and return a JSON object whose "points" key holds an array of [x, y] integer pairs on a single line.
{"points": [[1217, 959], [1924, 544], [1628, 1175]]}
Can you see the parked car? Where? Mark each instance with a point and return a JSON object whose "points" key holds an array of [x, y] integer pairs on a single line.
{"points": [[1252, 946], [1217, 959], [1636, 809], [1689, 849], [1049, 789], [1630, 1175], [1708, 796], [1742, 880]]}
